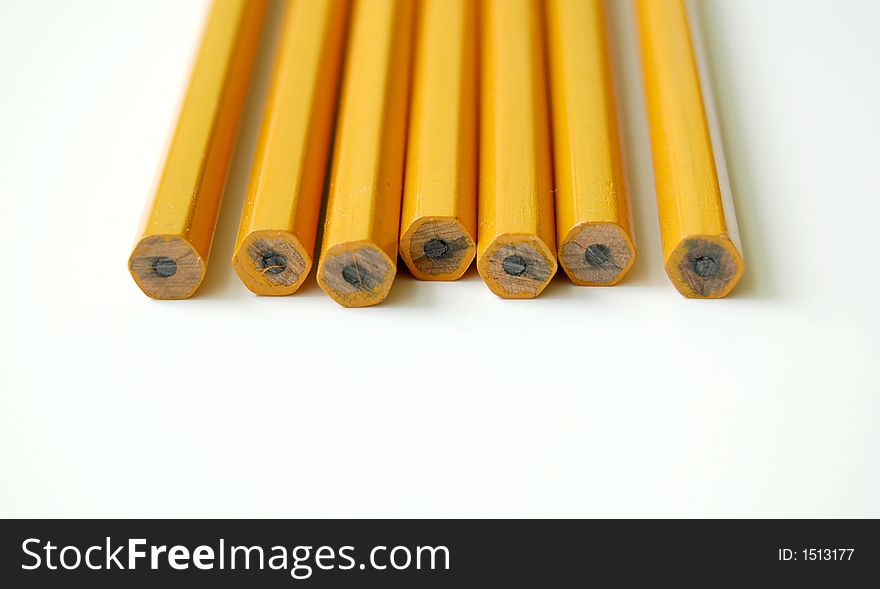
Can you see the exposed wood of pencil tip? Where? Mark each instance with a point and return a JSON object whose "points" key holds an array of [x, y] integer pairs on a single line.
{"points": [[705, 266], [166, 267], [517, 266], [596, 254], [356, 274], [437, 248], [271, 262]]}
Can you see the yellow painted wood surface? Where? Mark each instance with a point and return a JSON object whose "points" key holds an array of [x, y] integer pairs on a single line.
{"points": [[439, 216], [593, 222], [359, 250], [701, 249], [516, 250], [276, 238], [173, 246]]}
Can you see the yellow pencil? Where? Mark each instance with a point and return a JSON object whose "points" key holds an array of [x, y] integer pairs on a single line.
{"points": [[439, 217], [701, 247], [359, 250], [516, 250], [593, 223], [171, 254], [276, 238]]}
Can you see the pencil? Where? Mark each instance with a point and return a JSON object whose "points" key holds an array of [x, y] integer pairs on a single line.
{"points": [[173, 245], [359, 250], [439, 217], [276, 238], [701, 247], [593, 222], [516, 246]]}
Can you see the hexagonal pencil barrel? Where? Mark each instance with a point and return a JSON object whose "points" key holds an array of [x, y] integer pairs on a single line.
{"points": [[701, 247], [170, 257], [359, 251], [593, 220], [516, 249], [276, 237], [439, 217]]}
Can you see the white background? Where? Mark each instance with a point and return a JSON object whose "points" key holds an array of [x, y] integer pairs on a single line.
{"points": [[629, 401]]}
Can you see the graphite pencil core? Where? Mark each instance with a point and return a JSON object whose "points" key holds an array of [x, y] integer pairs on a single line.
{"points": [[273, 263], [705, 266], [596, 254], [436, 249], [350, 275], [164, 266], [514, 265]]}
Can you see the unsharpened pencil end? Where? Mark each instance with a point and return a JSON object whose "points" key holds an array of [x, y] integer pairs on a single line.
{"points": [[166, 267], [356, 274], [705, 267], [437, 248], [517, 266], [596, 254], [271, 263]]}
